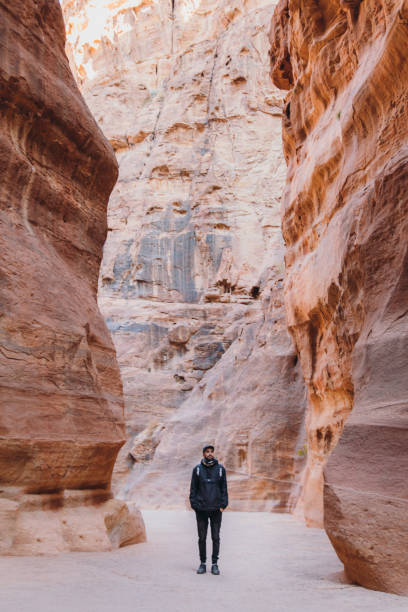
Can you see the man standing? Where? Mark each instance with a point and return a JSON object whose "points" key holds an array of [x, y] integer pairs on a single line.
{"points": [[209, 498]]}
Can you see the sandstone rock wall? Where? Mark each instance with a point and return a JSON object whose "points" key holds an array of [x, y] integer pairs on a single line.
{"points": [[345, 134], [251, 405], [61, 417], [182, 91]]}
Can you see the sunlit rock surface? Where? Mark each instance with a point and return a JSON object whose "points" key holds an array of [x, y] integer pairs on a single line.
{"points": [[183, 92], [61, 416], [345, 226]]}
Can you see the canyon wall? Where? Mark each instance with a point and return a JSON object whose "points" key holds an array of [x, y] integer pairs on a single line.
{"points": [[345, 224], [251, 406], [61, 418], [193, 263]]}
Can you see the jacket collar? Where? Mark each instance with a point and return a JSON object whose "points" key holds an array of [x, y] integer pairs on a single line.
{"points": [[213, 462]]}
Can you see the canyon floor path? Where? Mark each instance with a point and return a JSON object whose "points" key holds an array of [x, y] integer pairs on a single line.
{"points": [[269, 563]]}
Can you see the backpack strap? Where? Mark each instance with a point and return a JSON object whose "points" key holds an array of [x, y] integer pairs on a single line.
{"points": [[220, 472]]}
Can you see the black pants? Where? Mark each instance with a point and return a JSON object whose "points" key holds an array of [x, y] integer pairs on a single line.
{"points": [[215, 517]]}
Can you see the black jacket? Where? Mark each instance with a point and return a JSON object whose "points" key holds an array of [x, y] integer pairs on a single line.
{"points": [[208, 490]]}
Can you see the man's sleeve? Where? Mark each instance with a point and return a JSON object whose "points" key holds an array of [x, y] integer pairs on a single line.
{"points": [[193, 489], [224, 490]]}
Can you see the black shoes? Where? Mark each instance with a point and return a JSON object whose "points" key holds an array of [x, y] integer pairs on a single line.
{"points": [[203, 568]]}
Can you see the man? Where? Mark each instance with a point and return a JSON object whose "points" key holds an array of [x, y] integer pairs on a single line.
{"points": [[209, 498]]}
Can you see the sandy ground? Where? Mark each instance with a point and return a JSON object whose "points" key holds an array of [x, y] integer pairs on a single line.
{"points": [[268, 563]]}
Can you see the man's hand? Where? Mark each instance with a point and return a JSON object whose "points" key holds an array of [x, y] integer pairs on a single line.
{"points": [[222, 509]]}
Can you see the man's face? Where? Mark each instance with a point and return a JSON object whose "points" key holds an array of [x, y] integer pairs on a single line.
{"points": [[209, 453]]}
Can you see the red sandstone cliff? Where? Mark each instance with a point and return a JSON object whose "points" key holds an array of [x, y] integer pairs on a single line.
{"points": [[61, 418], [345, 224]]}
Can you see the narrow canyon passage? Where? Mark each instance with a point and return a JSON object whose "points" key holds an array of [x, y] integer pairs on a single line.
{"points": [[191, 283], [204, 230], [269, 562]]}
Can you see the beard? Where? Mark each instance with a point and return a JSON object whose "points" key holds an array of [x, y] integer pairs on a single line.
{"points": [[209, 460]]}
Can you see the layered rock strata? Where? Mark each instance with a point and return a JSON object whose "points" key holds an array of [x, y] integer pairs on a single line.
{"points": [[61, 418], [345, 224], [182, 91]]}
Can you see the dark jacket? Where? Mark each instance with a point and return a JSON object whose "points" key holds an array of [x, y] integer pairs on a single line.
{"points": [[208, 490]]}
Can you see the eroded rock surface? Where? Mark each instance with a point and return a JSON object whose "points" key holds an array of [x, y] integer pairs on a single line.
{"points": [[345, 226], [182, 90], [61, 418], [251, 405]]}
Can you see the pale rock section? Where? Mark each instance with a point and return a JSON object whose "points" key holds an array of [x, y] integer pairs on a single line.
{"points": [[251, 405], [345, 224], [61, 415], [182, 91]]}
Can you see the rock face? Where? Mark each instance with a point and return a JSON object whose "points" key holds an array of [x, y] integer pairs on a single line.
{"points": [[61, 418], [251, 405], [182, 91], [345, 224]]}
